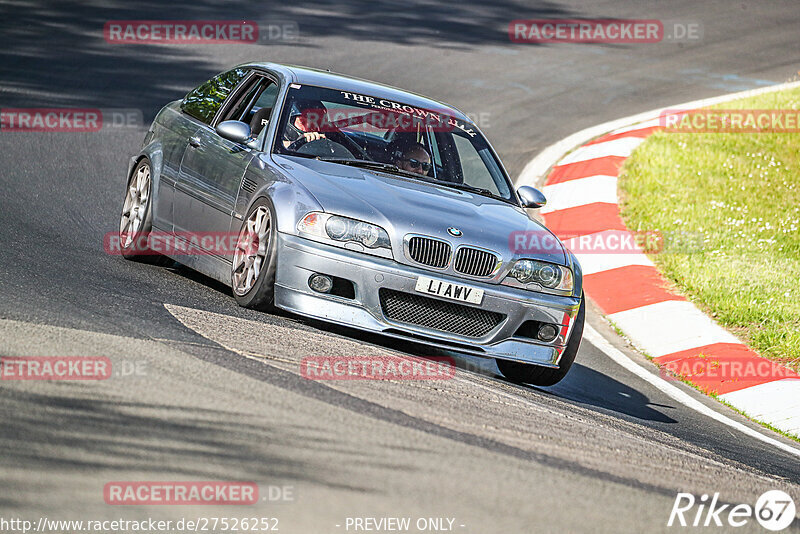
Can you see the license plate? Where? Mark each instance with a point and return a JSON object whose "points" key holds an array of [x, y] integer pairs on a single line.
{"points": [[449, 290]]}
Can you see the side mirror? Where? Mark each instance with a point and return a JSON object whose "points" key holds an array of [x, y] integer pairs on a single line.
{"points": [[531, 197], [235, 131]]}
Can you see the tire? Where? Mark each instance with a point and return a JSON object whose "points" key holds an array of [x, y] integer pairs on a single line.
{"points": [[255, 258], [537, 375], [136, 220]]}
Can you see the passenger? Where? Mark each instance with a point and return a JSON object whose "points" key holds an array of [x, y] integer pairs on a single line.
{"points": [[412, 158]]}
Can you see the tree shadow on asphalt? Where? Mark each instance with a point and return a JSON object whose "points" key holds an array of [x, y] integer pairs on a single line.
{"points": [[53, 54], [73, 430], [457, 25]]}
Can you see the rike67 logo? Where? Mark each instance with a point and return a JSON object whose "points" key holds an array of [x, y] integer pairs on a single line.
{"points": [[774, 510]]}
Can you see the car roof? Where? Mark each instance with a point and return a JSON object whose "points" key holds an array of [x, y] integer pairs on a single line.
{"points": [[322, 78]]}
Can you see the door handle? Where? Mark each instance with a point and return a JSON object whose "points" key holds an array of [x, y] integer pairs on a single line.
{"points": [[194, 141]]}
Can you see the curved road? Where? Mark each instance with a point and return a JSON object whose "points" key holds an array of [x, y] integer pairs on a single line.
{"points": [[217, 394]]}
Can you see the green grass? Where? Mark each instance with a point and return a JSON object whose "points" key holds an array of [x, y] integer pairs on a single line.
{"points": [[728, 206]]}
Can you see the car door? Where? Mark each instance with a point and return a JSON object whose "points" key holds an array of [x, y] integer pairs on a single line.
{"points": [[199, 108], [208, 182], [212, 167], [172, 131]]}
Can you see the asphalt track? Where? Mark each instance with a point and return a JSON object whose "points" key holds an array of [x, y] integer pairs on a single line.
{"points": [[219, 396]]}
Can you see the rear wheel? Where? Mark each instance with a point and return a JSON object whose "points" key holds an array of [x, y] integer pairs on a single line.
{"points": [[255, 258], [546, 376], [136, 220]]}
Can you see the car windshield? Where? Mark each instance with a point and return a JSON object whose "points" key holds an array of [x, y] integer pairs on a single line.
{"points": [[383, 134]]}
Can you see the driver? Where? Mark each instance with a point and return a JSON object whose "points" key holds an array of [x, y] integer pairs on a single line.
{"points": [[305, 122], [412, 158]]}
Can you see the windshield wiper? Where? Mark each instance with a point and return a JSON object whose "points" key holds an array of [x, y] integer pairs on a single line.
{"points": [[362, 163], [466, 187], [472, 189], [386, 167]]}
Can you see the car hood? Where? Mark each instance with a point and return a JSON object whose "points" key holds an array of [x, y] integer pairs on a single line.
{"points": [[406, 206]]}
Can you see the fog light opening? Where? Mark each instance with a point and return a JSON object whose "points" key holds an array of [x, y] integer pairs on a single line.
{"points": [[547, 333], [320, 283]]}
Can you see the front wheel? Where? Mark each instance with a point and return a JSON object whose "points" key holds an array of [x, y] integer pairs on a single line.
{"points": [[255, 258], [537, 375]]}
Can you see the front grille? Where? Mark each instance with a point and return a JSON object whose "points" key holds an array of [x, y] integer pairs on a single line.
{"points": [[438, 314], [475, 262], [430, 252]]}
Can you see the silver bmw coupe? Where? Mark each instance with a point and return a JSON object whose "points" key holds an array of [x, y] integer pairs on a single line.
{"points": [[358, 204]]}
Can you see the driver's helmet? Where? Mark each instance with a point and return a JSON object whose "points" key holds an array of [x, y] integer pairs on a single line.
{"points": [[312, 115], [401, 144]]}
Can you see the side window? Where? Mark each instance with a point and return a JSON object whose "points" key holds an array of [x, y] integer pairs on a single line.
{"points": [[253, 104], [268, 97], [262, 110], [203, 102], [238, 108]]}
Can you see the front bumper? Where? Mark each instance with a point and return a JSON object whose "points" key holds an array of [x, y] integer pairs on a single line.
{"points": [[299, 258]]}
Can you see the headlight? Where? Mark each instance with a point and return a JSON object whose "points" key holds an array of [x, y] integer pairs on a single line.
{"points": [[344, 229], [547, 275], [336, 228]]}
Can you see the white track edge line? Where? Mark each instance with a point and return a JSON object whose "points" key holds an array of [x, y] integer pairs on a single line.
{"points": [[596, 339]]}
